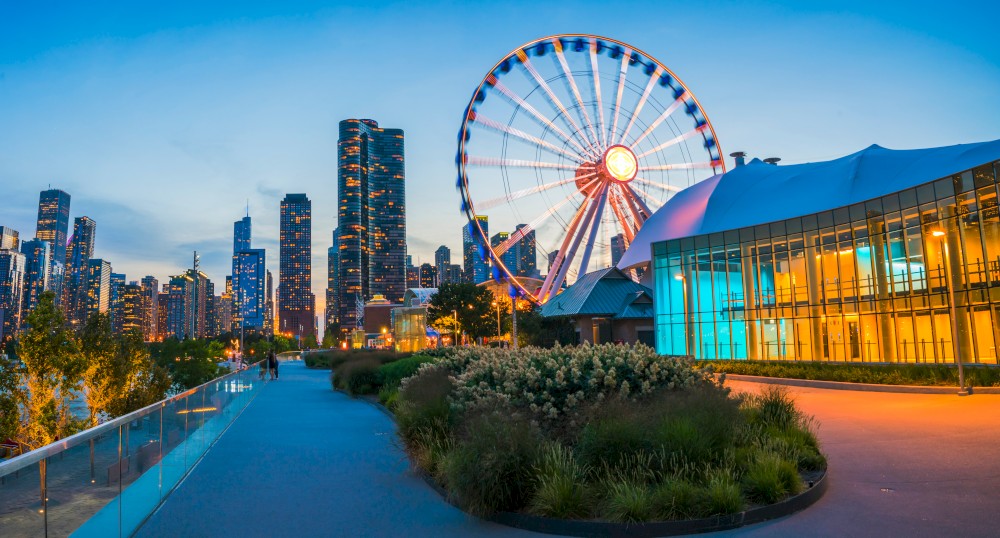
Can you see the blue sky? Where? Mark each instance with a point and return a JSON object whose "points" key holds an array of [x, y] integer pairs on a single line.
{"points": [[163, 120]]}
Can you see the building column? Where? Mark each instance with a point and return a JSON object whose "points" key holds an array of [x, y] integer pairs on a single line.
{"points": [[887, 331], [750, 303]]}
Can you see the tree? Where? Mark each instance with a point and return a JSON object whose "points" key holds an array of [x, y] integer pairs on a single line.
{"points": [[102, 374], [535, 330], [11, 396], [52, 369], [471, 303], [143, 381]]}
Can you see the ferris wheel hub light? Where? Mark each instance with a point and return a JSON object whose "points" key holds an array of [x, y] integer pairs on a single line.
{"points": [[621, 163]]}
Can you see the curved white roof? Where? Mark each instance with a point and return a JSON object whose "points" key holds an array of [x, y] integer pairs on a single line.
{"points": [[759, 193]]}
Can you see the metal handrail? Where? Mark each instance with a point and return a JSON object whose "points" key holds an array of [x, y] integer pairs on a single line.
{"points": [[34, 456]]}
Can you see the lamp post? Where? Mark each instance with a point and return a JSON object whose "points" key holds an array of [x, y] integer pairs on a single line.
{"points": [[497, 305], [962, 391]]}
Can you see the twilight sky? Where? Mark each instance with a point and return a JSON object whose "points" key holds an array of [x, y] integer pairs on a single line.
{"points": [[163, 120]]}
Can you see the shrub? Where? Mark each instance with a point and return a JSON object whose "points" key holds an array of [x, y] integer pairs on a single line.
{"points": [[358, 376], [561, 490], [610, 442], [628, 502], [390, 374], [772, 407], [676, 499], [888, 374], [490, 469], [764, 481], [721, 496], [423, 403]]}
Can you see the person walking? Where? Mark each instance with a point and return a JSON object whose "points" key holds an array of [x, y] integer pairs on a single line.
{"points": [[272, 364]]}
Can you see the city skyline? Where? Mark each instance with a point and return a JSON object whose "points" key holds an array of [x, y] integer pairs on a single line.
{"points": [[157, 106]]}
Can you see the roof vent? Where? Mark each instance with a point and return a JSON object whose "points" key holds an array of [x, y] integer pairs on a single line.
{"points": [[772, 160], [740, 157]]}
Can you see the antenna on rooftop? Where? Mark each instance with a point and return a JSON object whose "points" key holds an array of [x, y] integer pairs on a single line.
{"points": [[196, 260]]}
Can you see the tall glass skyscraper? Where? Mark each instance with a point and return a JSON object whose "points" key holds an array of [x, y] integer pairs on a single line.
{"points": [[37, 256], [332, 281], [527, 257], [9, 238], [53, 221], [371, 216], [11, 288], [116, 302], [296, 303], [150, 308], [97, 289], [249, 280], [81, 248], [476, 267]]}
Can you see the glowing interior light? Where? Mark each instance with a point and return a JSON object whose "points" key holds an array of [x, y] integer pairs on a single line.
{"points": [[621, 163]]}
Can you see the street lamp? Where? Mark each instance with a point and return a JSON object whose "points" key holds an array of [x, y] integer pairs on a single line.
{"points": [[939, 233], [497, 305]]}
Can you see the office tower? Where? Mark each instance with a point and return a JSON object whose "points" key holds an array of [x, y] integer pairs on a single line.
{"points": [[371, 216], [476, 268], [248, 280], [618, 247], [453, 274], [81, 248], [332, 281], [412, 277], [442, 259], [296, 303], [509, 257], [53, 221], [188, 309], [428, 276], [527, 258], [9, 239], [132, 314], [11, 290], [37, 265], [269, 309], [116, 305], [552, 258], [150, 309], [162, 312], [97, 289]]}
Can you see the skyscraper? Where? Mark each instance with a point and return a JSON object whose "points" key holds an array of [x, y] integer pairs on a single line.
{"points": [[509, 257], [618, 247], [296, 303], [428, 276], [248, 293], [53, 221], [37, 256], [332, 282], [11, 289], [150, 309], [9, 239], [442, 259], [81, 248], [527, 257], [97, 289], [189, 309], [132, 315], [476, 268], [116, 302], [371, 216]]}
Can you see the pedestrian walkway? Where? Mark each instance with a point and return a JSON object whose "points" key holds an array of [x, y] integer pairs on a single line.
{"points": [[304, 460]]}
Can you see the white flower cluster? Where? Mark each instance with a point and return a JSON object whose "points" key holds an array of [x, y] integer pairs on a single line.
{"points": [[552, 383]]}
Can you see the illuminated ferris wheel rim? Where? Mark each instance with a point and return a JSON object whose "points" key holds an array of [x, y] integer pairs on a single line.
{"points": [[617, 163]]}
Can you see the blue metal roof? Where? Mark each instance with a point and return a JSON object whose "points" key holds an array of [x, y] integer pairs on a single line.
{"points": [[759, 193], [606, 292]]}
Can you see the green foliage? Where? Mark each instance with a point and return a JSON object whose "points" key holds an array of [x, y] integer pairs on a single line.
{"points": [[390, 374], [52, 369], [628, 502], [192, 362], [535, 330], [423, 404], [767, 480], [358, 376], [471, 303], [561, 489], [881, 374], [677, 498], [492, 468], [723, 495], [11, 397]]}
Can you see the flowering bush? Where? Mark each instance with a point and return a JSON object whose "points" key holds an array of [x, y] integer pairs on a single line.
{"points": [[554, 383]]}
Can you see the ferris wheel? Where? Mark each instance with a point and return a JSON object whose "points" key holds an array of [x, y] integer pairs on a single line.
{"points": [[571, 142]]}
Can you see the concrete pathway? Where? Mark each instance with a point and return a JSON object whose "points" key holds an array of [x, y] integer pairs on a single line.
{"points": [[900, 465], [304, 460]]}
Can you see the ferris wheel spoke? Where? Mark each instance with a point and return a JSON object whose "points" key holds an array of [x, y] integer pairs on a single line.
{"points": [[622, 75], [616, 207], [516, 163], [661, 186], [642, 210], [642, 102], [675, 140], [587, 223], [555, 102], [663, 116], [594, 226], [494, 125], [538, 116], [598, 106], [581, 110], [642, 199], [561, 253], [517, 195], [681, 166]]}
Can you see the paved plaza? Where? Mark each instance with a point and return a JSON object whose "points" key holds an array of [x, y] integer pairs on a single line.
{"points": [[304, 460]]}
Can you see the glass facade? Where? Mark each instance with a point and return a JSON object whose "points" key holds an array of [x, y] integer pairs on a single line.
{"points": [[296, 304], [866, 283]]}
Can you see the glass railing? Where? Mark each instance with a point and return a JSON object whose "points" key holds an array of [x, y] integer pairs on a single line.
{"points": [[107, 480]]}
